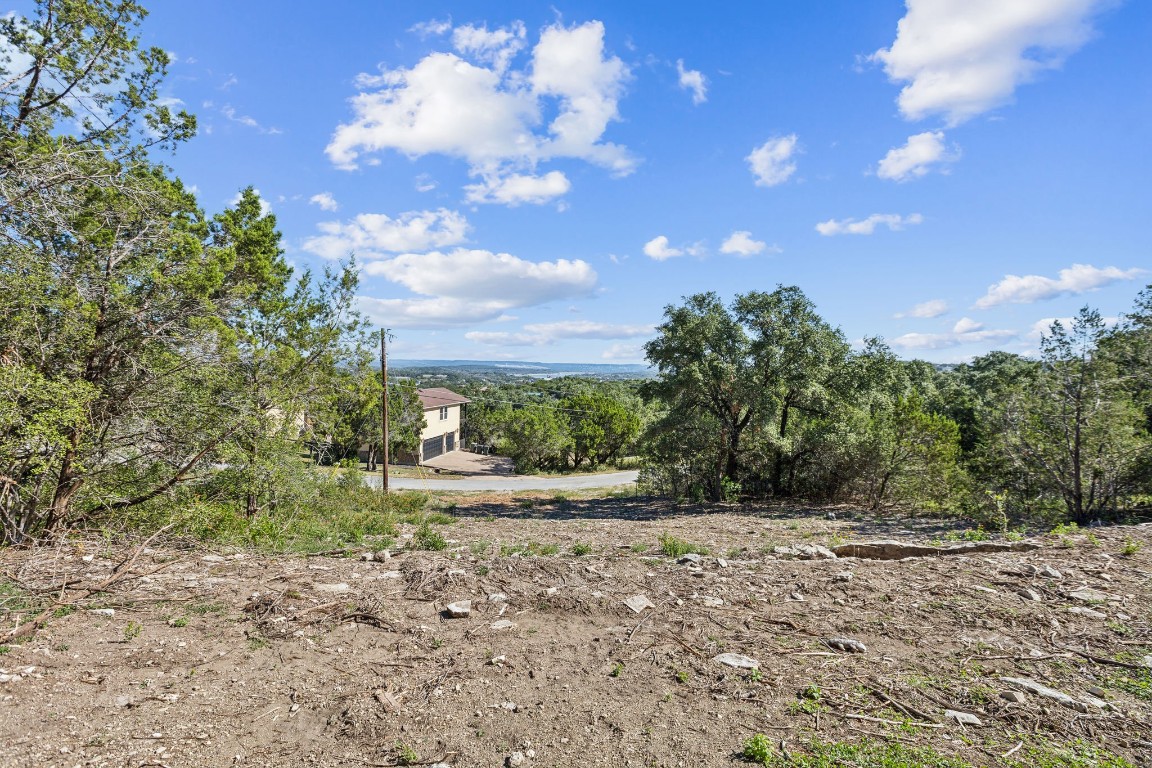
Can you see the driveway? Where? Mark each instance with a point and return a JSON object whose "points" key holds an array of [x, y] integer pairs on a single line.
{"points": [[494, 473]]}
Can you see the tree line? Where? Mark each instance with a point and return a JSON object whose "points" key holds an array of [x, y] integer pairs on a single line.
{"points": [[761, 397]]}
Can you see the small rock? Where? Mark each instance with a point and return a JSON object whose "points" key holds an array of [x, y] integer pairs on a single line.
{"points": [[843, 576], [980, 588], [439, 765], [367, 557], [383, 555], [497, 597], [1013, 696], [103, 611], [721, 562], [1049, 693], [1146, 661], [830, 516], [1050, 573], [213, 558], [88, 558], [796, 596], [1029, 594], [515, 760], [964, 718], [1089, 595], [638, 603], [459, 610], [508, 705], [712, 602], [1087, 612], [736, 660], [814, 552], [123, 702], [498, 661], [846, 644], [331, 588], [690, 559], [503, 624], [1097, 691]]}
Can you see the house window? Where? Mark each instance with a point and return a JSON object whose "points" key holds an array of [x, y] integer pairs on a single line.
{"points": [[443, 413]]}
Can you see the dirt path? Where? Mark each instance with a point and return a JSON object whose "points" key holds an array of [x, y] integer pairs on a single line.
{"points": [[224, 659]]}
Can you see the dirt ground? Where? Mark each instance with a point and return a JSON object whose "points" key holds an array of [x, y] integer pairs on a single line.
{"points": [[202, 658]]}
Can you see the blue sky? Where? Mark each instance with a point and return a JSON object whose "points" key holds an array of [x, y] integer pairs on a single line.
{"points": [[530, 181]]}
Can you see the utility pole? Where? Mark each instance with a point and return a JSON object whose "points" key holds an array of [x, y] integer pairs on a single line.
{"points": [[384, 408]]}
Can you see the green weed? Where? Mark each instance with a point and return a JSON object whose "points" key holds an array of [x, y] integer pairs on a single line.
{"points": [[674, 547]]}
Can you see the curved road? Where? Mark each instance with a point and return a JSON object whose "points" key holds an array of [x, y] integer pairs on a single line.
{"points": [[513, 483]]}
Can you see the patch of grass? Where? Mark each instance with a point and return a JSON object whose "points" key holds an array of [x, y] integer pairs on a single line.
{"points": [[315, 512], [427, 539], [132, 630], [674, 547], [480, 547], [681, 675], [257, 642], [1131, 547], [864, 754], [202, 609], [639, 548], [1137, 682], [617, 669], [5, 649], [968, 534], [405, 755], [1073, 754], [580, 549], [64, 610], [1063, 529], [179, 623]]}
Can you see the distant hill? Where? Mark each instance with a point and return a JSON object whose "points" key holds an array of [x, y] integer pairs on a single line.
{"points": [[528, 369]]}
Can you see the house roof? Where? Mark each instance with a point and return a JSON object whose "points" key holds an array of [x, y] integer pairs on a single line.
{"points": [[437, 397]]}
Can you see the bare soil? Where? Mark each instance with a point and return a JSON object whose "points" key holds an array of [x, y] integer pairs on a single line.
{"points": [[202, 658]]}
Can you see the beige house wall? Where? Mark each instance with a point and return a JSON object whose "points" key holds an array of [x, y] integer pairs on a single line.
{"points": [[434, 425]]}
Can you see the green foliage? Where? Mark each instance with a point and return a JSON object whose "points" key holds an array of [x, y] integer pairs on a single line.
{"points": [[674, 547], [580, 549], [1131, 547], [757, 749], [405, 755], [428, 539]]}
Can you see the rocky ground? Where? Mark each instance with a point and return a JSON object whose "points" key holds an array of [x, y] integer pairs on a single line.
{"points": [[579, 642]]}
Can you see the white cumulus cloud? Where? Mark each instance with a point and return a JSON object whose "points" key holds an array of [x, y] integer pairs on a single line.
{"points": [[693, 80], [965, 331], [917, 157], [370, 235], [926, 309], [476, 105], [657, 248], [325, 201], [1079, 278], [867, 226], [740, 243], [772, 162], [960, 58], [517, 188], [484, 276]]}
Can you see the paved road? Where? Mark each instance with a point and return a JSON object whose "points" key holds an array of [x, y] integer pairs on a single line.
{"points": [[515, 483]]}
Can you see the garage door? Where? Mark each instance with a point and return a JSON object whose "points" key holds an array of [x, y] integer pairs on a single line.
{"points": [[433, 447], [449, 442]]}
